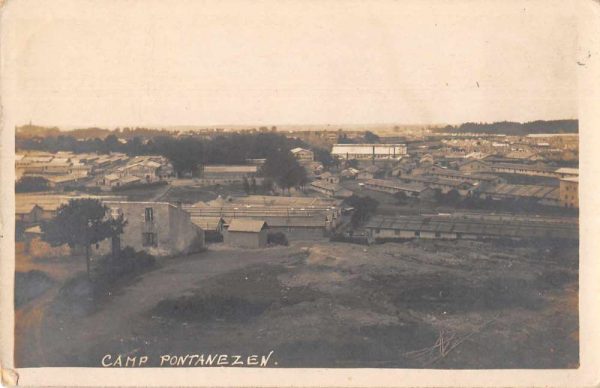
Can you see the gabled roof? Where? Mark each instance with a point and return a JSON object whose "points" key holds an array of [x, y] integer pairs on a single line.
{"points": [[245, 225]]}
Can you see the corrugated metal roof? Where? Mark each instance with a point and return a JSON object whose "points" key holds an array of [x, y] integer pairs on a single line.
{"points": [[431, 180], [394, 184], [531, 191], [526, 167], [517, 227]]}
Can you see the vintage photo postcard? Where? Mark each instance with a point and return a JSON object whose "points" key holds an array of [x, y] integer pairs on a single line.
{"points": [[300, 193]]}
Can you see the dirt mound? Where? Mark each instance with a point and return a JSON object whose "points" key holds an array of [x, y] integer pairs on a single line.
{"points": [[436, 293], [237, 296], [209, 307], [77, 297]]}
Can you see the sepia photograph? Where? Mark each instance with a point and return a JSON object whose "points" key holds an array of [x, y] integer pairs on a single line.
{"points": [[282, 185]]}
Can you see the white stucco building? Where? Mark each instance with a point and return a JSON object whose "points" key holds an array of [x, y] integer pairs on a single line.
{"points": [[159, 228], [369, 151]]}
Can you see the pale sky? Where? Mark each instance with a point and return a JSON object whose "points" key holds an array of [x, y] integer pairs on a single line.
{"points": [[157, 63]]}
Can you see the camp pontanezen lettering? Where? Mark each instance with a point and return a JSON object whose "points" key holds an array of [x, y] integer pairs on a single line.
{"points": [[188, 360]]}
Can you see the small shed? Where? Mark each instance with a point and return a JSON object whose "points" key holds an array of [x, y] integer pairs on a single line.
{"points": [[213, 227], [245, 233]]}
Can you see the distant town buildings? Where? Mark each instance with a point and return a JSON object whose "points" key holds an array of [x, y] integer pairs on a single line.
{"points": [[303, 155], [107, 171], [227, 174]]}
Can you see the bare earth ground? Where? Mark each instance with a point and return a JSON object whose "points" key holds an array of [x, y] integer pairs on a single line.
{"points": [[431, 304]]}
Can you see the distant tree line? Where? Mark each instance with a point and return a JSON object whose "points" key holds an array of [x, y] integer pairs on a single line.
{"points": [[515, 128], [29, 131], [368, 137]]}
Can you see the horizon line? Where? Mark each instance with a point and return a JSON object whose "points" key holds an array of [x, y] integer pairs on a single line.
{"points": [[277, 126]]}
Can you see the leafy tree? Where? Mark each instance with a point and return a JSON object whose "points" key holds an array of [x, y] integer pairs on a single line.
{"points": [[267, 185], [185, 154], [370, 137], [31, 184], [324, 156], [82, 222], [364, 207], [344, 139], [352, 163], [283, 167], [452, 197], [135, 146], [111, 143]]}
